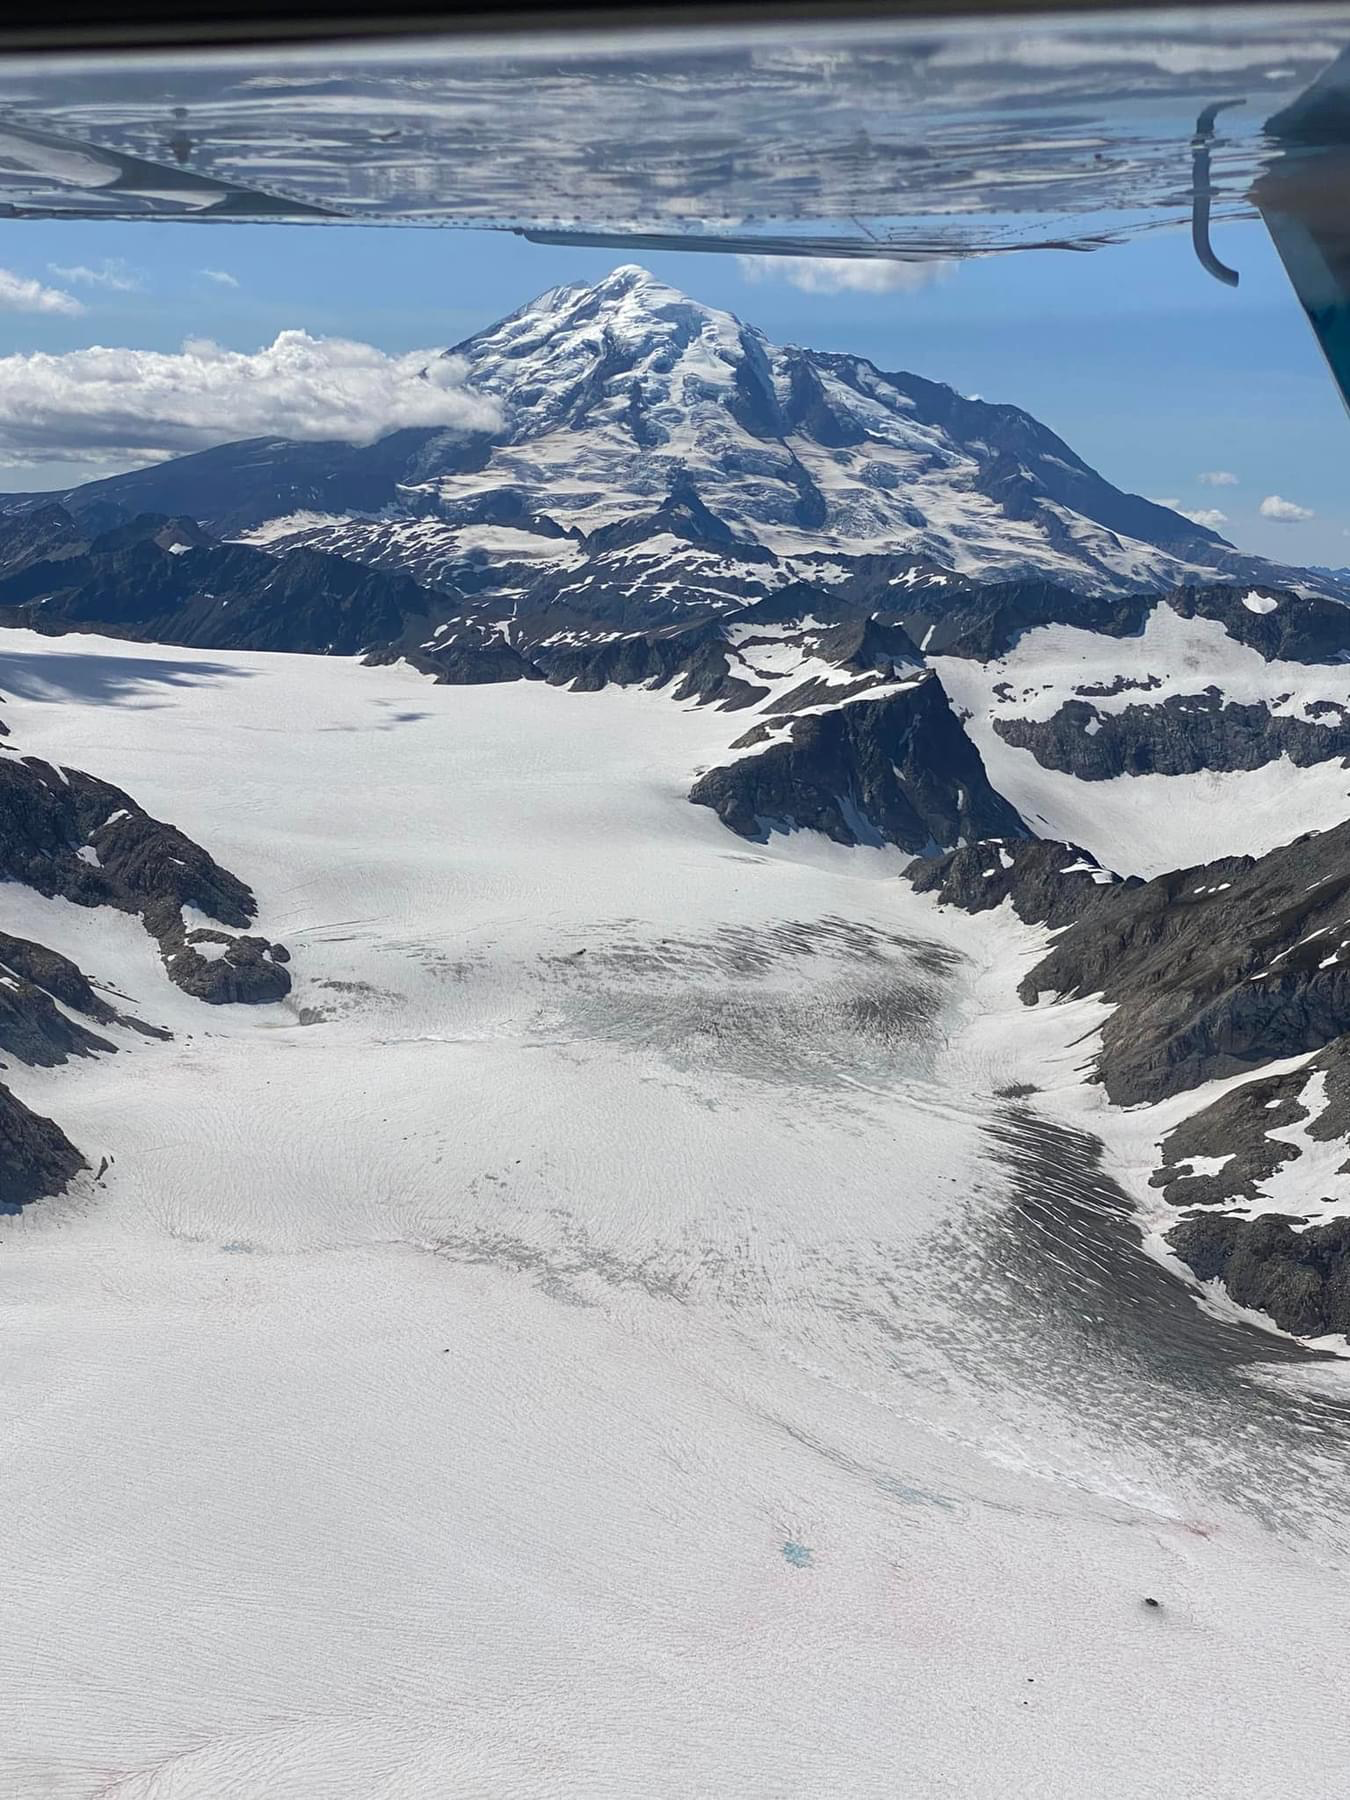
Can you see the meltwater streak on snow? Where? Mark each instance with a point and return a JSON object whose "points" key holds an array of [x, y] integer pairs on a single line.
{"points": [[436, 1392]]}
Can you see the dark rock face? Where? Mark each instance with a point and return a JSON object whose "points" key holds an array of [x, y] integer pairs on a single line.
{"points": [[710, 661], [1213, 971], [37, 1159], [49, 816], [1048, 883], [66, 833], [55, 974], [681, 515], [866, 647], [152, 528], [631, 590], [1301, 628], [476, 663], [1247, 1130], [34, 1030], [1300, 1278], [984, 622], [1186, 733], [163, 581], [693, 657], [898, 770], [225, 970], [49, 532]]}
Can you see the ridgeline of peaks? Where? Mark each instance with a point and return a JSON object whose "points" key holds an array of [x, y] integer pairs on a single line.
{"points": [[641, 426]]}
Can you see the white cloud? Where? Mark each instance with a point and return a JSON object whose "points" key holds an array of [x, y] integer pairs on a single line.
{"points": [[111, 273], [221, 276], [1219, 478], [1285, 512], [846, 274], [20, 293], [1198, 515], [110, 405]]}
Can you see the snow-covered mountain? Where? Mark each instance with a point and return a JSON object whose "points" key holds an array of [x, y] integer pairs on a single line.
{"points": [[692, 1113], [698, 458], [626, 1246]]}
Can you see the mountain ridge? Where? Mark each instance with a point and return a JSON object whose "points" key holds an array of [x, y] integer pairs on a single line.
{"points": [[623, 400]]}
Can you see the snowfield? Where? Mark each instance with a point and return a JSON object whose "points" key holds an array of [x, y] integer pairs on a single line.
{"points": [[605, 1335], [1148, 824]]}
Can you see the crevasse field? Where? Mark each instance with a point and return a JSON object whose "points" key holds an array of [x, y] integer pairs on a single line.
{"points": [[606, 1334]]}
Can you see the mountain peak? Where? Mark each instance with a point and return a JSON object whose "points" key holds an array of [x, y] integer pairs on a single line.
{"points": [[632, 280], [580, 322], [629, 276], [626, 408]]}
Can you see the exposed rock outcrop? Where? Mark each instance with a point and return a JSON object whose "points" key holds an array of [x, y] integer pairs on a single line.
{"points": [[472, 664], [1212, 972], [984, 622], [163, 580], [37, 1159], [1048, 883], [221, 969], [1265, 1202], [68, 833], [65, 833], [1226, 1153], [694, 658], [34, 1029], [898, 769], [57, 975], [1216, 970], [1181, 736], [1300, 1278]]}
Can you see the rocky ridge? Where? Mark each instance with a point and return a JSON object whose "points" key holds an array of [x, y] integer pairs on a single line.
{"points": [[66, 834], [1231, 972], [896, 770]]}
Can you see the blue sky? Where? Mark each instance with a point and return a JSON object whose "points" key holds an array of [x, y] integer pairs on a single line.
{"points": [[1150, 369]]}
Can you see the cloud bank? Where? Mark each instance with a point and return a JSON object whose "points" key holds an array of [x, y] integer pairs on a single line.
{"points": [[124, 406], [846, 274], [1219, 478]]}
